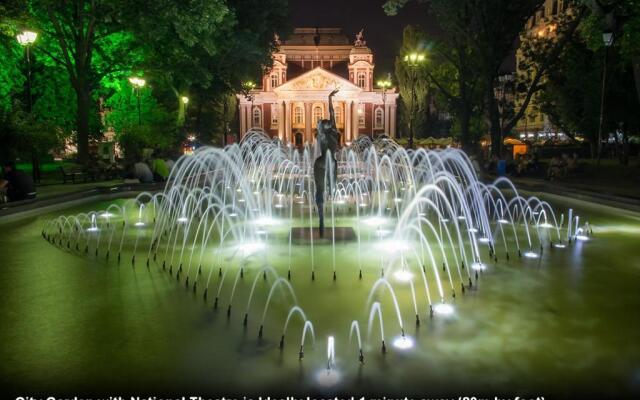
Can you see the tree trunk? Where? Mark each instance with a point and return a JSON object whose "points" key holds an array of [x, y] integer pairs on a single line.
{"points": [[495, 127], [465, 136], [624, 151], [635, 61], [593, 148], [83, 98]]}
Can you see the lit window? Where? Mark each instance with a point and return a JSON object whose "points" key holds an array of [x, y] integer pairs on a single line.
{"points": [[317, 114], [379, 118], [362, 79], [257, 117], [274, 80], [361, 121], [297, 115], [274, 114], [338, 110]]}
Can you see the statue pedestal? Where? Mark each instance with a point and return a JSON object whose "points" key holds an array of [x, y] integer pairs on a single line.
{"points": [[342, 234]]}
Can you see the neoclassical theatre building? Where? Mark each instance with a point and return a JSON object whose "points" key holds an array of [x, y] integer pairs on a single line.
{"points": [[306, 68]]}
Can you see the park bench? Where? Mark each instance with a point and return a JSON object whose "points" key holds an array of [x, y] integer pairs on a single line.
{"points": [[72, 175]]}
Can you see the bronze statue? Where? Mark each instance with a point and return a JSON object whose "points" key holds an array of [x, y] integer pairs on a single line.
{"points": [[328, 138]]}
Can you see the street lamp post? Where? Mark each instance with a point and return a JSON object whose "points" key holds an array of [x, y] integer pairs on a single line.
{"points": [[137, 83], [26, 39], [384, 84], [184, 100], [607, 38], [247, 92], [414, 61]]}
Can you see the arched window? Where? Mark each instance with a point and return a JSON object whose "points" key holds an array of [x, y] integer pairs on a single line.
{"points": [[297, 115], [274, 80], [257, 117], [274, 114], [338, 110], [362, 79], [379, 119], [361, 120], [317, 114]]}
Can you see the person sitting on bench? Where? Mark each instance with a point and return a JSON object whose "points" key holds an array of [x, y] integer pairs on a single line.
{"points": [[16, 184]]}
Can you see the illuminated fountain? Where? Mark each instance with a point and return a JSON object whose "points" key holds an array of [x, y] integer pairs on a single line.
{"points": [[418, 227]]}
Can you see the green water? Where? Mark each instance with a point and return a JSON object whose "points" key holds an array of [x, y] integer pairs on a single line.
{"points": [[565, 323]]}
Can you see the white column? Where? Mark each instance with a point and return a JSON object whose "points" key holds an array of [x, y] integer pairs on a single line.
{"points": [[347, 121], [281, 121], [287, 122], [249, 115], [392, 122], [355, 121], [387, 119], [243, 119], [308, 137]]}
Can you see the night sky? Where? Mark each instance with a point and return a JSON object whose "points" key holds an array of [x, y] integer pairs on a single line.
{"points": [[382, 33]]}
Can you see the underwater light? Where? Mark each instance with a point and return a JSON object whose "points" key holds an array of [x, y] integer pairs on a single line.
{"points": [[530, 254], [233, 215], [374, 221], [251, 247], [279, 205], [363, 204], [339, 202], [240, 200], [397, 200], [473, 230], [106, 215], [93, 229], [139, 223], [582, 238], [183, 219], [382, 232], [403, 342], [461, 217], [443, 309], [266, 221], [393, 246], [477, 266], [403, 275], [328, 377], [503, 221], [559, 245], [483, 240], [545, 225]]}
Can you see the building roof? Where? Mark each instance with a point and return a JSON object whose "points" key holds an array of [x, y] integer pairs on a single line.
{"points": [[319, 79], [316, 37]]}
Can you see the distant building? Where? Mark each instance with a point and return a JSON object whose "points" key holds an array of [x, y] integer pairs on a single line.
{"points": [[306, 68], [534, 124]]}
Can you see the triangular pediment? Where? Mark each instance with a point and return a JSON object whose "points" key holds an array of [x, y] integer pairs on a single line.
{"points": [[318, 79]]}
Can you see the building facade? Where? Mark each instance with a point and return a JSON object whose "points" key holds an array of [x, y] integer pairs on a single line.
{"points": [[306, 68], [535, 124]]}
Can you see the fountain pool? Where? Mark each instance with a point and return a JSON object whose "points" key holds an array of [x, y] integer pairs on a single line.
{"points": [[294, 320]]}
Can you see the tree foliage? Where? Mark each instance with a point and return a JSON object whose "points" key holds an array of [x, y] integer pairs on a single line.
{"points": [[86, 50], [484, 32]]}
